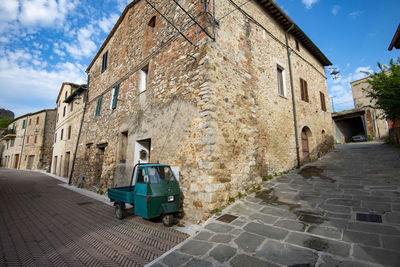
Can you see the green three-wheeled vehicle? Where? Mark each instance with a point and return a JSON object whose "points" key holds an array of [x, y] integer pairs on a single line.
{"points": [[155, 193]]}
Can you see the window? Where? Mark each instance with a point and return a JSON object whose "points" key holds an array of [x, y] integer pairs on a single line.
{"points": [[322, 97], [304, 90], [114, 97], [35, 139], [152, 22], [72, 106], [23, 124], [64, 111], [69, 132], [37, 120], [58, 116], [144, 73], [55, 138], [66, 94], [27, 139], [281, 81], [98, 108], [62, 134], [12, 142], [297, 45], [30, 121], [104, 64]]}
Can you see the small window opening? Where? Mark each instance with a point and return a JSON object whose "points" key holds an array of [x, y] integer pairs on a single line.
{"points": [[152, 22], [144, 75], [297, 45]]}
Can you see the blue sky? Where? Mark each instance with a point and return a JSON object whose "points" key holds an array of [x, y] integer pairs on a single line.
{"points": [[46, 42]]}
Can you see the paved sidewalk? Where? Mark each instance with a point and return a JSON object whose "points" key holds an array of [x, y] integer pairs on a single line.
{"points": [[308, 217], [43, 224]]}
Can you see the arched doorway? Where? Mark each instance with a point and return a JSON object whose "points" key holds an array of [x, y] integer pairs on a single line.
{"points": [[305, 144]]}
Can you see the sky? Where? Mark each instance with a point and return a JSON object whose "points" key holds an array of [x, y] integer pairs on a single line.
{"points": [[44, 43]]}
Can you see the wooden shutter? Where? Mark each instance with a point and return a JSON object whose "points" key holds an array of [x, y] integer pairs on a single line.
{"points": [[115, 97], [98, 108], [23, 124], [322, 96]]}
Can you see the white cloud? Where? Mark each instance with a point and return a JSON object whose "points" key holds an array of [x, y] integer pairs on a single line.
{"points": [[85, 46], [309, 3], [335, 9], [356, 14], [45, 12], [32, 84], [122, 4], [8, 10], [106, 24]]}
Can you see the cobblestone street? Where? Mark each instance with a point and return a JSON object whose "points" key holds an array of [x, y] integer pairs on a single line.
{"points": [[43, 224], [309, 217]]}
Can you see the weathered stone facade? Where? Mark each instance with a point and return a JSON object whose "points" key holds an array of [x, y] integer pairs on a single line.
{"points": [[70, 102], [30, 140], [377, 127], [214, 110]]}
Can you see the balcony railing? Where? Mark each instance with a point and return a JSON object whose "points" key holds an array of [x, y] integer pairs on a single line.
{"points": [[9, 133]]}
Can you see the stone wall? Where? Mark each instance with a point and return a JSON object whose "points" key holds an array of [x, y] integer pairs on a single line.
{"points": [[64, 149], [213, 111]]}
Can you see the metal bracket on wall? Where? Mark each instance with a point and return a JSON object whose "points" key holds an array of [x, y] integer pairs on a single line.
{"points": [[206, 11]]}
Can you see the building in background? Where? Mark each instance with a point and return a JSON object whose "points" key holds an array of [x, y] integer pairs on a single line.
{"points": [[363, 120], [216, 99], [70, 103], [29, 141]]}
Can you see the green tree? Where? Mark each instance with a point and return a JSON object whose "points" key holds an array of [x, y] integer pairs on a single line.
{"points": [[4, 122], [385, 89]]}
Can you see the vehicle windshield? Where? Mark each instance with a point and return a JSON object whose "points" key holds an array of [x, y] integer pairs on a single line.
{"points": [[160, 174]]}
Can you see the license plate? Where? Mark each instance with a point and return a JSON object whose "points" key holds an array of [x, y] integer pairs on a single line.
{"points": [[170, 198]]}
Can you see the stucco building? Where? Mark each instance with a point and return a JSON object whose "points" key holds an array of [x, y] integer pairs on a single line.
{"points": [[29, 141], [70, 103], [215, 99]]}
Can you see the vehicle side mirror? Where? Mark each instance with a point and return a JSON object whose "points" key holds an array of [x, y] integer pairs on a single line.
{"points": [[146, 178]]}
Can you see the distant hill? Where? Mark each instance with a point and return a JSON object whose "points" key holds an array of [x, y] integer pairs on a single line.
{"points": [[6, 116], [6, 113]]}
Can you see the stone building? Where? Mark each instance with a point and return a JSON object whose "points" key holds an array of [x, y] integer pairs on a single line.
{"points": [[29, 141], [215, 99], [70, 102]]}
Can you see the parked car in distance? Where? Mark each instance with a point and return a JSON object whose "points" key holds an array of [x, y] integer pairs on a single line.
{"points": [[359, 138]]}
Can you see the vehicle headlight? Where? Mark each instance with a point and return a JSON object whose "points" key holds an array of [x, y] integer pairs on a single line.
{"points": [[170, 198]]}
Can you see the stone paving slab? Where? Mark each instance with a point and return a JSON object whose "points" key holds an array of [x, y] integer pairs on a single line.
{"points": [[307, 220]]}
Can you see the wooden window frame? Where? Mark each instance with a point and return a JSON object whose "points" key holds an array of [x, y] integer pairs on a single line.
{"points": [[69, 132], [304, 90], [35, 140], [280, 74], [114, 98], [37, 120], [104, 62], [323, 103], [62, 134]]}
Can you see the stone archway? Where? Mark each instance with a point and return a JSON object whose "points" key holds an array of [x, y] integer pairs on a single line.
{"points": [[305, 145]]}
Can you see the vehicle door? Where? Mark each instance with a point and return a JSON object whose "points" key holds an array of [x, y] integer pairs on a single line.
{"points": [[140, 201]]}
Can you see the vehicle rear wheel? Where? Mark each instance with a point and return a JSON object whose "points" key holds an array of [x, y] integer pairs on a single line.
{"points": [[119, 211], [168, 219]]}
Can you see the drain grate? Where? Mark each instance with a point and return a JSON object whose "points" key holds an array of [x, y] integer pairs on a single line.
{"points": [[369, 218], [84, 203], [227, 218]]}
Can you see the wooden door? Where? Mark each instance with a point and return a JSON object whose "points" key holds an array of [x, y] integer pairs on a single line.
{"points": [[16, 161], [304, 144]]}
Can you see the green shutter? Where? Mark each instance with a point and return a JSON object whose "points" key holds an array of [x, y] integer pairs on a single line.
{"points": [[23, 124], [98, 108], [115, 98]]}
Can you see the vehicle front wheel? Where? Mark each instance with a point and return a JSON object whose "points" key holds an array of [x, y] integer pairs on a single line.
{"points": [[119, 211], [168, 219]]}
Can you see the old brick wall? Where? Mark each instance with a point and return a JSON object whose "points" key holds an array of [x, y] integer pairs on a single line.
{"points": [[167, 112]]}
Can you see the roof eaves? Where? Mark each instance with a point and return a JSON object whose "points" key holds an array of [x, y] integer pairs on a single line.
{"points": [[62, 86], [396, 40], [286, 22]]}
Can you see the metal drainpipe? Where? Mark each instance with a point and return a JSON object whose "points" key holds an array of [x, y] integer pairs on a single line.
{"points": [[296, 134], [84, 97], [23, 142]]}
